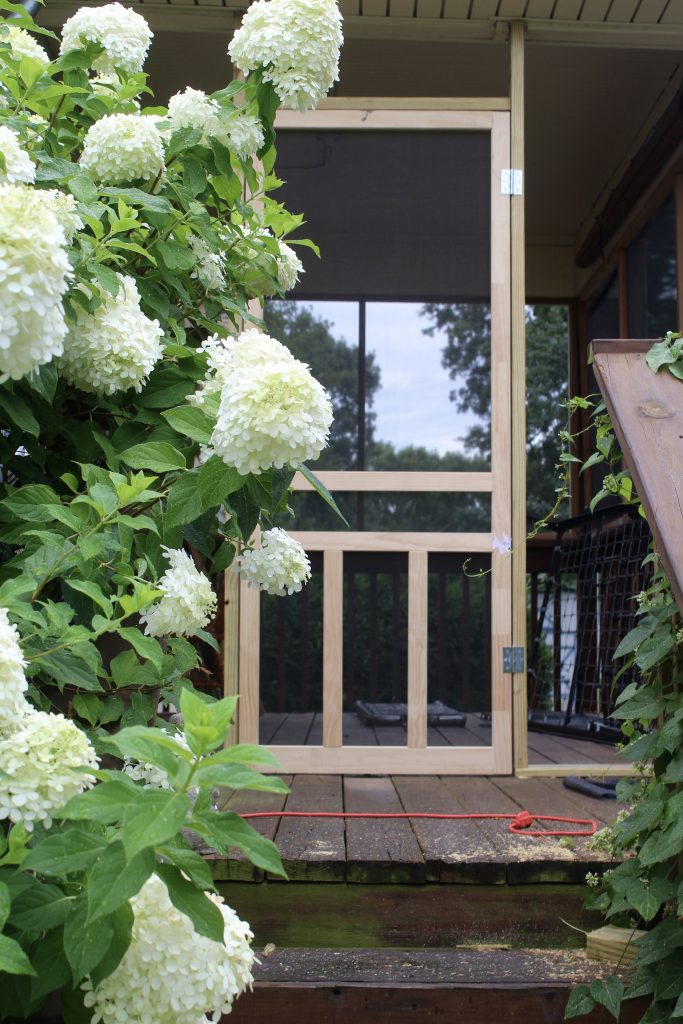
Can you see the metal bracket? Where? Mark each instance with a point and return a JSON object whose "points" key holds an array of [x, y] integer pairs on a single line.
{"points": [[511, 182], [513, 659]]}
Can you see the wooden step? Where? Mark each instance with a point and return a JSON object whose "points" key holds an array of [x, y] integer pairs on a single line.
{"points": [[346, 915], [381, 986]]}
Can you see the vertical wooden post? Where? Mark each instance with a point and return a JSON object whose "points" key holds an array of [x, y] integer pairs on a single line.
{"points": [[231, 635], [417, 648], [518, 371], [678, 197], [333, 645], [249, 663]]}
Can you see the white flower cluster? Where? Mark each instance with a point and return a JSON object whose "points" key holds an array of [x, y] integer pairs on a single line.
{"points": [[169, 971], [279, 566], [209, 266], [121, 148], [188, 602], [34, 272], [297, 42], [151, 775], [114, 348], [194, 109], [125, 36], [289, 267], [22, 44], [63, 205], [40, 753], [19, 169], [272, 411], [241, 131], [13, 683], [244, 133]]}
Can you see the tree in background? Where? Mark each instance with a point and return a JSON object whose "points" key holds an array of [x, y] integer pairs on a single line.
{"points": [[467, 357]]}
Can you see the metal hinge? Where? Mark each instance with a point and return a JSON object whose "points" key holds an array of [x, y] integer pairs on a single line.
{"points": [[513, 659], [511, 182]]}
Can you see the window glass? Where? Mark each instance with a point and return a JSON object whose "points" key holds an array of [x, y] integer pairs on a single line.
{"points": [[652, 289]]}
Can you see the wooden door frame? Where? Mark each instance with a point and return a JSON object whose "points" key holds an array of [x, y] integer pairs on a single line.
{"points": [[242, 673]]}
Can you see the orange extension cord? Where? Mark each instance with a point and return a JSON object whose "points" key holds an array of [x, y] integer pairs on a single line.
{"points": [[519, 823]]}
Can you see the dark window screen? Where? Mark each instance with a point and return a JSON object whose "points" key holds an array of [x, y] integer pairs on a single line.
{"points": [[397, 214], [652, 276]]}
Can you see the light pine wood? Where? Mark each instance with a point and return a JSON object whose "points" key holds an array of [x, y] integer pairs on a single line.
{"points": [[375, 118], [591, 771], [417, 648], [613, 945], [333, 647], [249, 656], [386, 760], [415, 102], [501, 525], [231, 639], [518, 393], [404, 481], [351, 540]]}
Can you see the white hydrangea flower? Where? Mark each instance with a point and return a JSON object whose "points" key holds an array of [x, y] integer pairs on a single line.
{"points": [[13, 683], [280, 566], [170, 972], [151, 775], [297, 42], [272, 411], [23, 44], [124, 34], [63, 205], [193, 109], [209, 266], [289, 267], [244, 133], [34, 273], [40, 753], [121, 148], [114, 348], [19, 168], [188, 602]]}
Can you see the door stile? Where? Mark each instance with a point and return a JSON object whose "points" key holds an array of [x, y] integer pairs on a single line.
{"points": [[417, 648], [333, 647]]}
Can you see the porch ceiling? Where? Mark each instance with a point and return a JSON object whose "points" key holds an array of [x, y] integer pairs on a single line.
{"points": [[589, 108]]}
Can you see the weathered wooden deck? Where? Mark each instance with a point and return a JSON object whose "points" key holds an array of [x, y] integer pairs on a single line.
{"points": [[544, 748], [420, 851]]}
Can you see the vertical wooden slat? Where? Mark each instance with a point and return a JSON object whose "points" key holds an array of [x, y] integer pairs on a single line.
{"points": [[465, 699], [396, 687], [231, 639], [333, 645], [374, 637], [441, 634], [417, 648], [518, 412], [249, 656]]}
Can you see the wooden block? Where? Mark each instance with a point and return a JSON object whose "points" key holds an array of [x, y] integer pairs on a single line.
{"points": [[613, 945]]}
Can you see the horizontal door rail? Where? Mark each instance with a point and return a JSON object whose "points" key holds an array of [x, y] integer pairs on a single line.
{"points": [[402, 481], [356, 540]]}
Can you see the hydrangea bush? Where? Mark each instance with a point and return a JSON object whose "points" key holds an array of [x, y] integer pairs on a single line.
{"points": [[149, 432]]}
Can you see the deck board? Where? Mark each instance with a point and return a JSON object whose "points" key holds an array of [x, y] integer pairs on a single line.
{"points": [[313, 848], [379, 850]]}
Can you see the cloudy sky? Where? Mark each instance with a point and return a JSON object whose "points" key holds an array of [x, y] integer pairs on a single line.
{"points": [[412, 406]]}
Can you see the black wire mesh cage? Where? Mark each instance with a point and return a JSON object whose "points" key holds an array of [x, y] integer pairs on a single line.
{"points": [[588, 604]]}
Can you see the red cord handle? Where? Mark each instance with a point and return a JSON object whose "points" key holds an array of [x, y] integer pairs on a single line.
{"points": [[519, 823]]}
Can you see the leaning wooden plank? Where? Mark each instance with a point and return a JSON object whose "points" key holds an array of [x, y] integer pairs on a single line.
{"points": [[613, 945], [647, 413]]}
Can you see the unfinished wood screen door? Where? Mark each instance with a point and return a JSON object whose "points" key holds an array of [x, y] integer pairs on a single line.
{"points": [[327, 749]]}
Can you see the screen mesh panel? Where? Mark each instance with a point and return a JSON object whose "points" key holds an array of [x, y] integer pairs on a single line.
{"points": [[397, 214]]}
